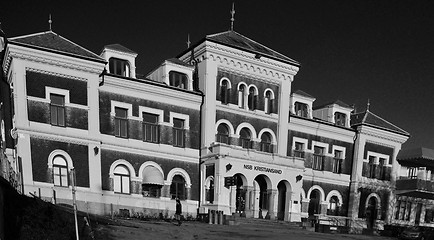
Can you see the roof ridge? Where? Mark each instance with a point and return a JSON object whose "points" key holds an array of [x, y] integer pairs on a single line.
{"points": [[215, 34], [387, 121], [31, 35]]}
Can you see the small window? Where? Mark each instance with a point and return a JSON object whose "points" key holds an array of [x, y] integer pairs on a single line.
{"points": [[178, 132], [252, 98], [151, 190], [245, 138], [337, 161], [57, 109], [412, 172], [266, 143], [268, 103], [340, 119], [177, 79], [177, 188], [333, 207], [121, 122], [372, 167], [60, 171], [151, 129], [121, 181], [299, 149], [382, 170], [223, 134], [242, 96], [119, 67], [301, 109], [318, 158], [224, 92]]}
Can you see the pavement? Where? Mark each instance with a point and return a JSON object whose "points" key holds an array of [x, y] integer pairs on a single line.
{"points": [[133, 229]]}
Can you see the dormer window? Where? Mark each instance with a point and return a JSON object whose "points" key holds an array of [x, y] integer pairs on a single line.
{"points": [[340, 119], [119, 67], [177, 79], [301, 109]]}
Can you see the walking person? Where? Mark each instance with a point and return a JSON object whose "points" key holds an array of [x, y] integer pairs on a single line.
{"points": [[178, 211]]}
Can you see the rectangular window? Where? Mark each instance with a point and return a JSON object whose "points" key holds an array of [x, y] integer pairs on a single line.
{"points": [[318, 158], [301, 109], [299, 150], [121, 122], [178, 132], [412, 172], [60, 176], [372, 167], [340, 119], [151, 129], [57, 109], [382, 169], [337, 161]]}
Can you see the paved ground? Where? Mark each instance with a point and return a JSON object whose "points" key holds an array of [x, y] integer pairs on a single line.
{"points": [[134, 229]]}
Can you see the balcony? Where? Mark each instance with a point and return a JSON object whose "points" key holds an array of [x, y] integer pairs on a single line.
{"points": [[415, 187]]}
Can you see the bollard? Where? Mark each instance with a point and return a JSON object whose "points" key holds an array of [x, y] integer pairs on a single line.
{"points": [[209, 217]]}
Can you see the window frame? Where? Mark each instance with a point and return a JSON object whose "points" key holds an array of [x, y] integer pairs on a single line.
{"points": [[58, 108], [116, 64], [59, 175], [178, 79], [183, 131], [121, 179], [178, 185]]}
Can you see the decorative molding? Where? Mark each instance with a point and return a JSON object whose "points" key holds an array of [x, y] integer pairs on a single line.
{"points": [[55, 74], [386, 136]]}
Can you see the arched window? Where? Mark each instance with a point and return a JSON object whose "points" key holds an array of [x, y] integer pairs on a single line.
{"points": [[177, 189], [333, 207], [60, 171], [177, 79], [266, 142], [245, 138], [252, 98], [223, 134], [268, 103], [121, 180], [241, 96], [224, 92], [119, 67]]}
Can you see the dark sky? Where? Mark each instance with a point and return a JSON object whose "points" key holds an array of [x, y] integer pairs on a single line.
{"points": [[349, 50]]}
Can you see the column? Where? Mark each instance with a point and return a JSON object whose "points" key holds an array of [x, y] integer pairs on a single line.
{"points": [[249, 201], [271, 214], [323, 208], [288, 206]]}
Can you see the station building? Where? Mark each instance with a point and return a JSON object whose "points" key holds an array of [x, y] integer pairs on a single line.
{"points": [[219, 127]]}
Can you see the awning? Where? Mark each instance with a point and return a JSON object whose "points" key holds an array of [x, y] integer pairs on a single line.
{"points": [[151, 175]]}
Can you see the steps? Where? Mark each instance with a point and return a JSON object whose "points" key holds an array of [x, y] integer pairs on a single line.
{"points": [[263, 222]]}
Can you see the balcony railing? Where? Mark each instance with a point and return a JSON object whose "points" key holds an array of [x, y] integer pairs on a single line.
{"points": [[410, 184]]}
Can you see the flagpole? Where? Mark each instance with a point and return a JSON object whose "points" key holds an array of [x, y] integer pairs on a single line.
{"points": [[74, 203]]}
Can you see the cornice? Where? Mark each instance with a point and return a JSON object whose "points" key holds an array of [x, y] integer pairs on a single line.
{"points": [[55, 74], [250, 75], [59, 60], [383, 135], [247, 113]]}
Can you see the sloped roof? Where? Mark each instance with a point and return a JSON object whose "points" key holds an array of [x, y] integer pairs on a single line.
{"points": [[119, 47], [54, 42], [416, 153], [302, 93], [179, 62], [337, 102], [236, 40], [370, 119]]}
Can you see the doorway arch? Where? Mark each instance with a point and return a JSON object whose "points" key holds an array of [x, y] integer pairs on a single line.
{"points": [[261, 185], [284, 200]]}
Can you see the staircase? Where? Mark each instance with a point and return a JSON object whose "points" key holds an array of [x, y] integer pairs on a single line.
{"points": [[238, 220]]}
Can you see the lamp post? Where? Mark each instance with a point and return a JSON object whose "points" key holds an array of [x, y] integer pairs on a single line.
{"points": [[74, 204]]}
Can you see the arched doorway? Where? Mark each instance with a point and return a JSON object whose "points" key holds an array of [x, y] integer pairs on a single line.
{"points": [[262, 196], [314, 203], [283, 200], [371, 212]]}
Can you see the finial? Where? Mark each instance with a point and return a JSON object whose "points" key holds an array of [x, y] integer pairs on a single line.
{"points": [[367, 105], [232, 18], [188, 41], [49, 21]]}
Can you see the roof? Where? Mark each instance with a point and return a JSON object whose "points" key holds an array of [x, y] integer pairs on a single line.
{"points": [[370, 119], [179, 62], [52, 41], [304, 94], [120, 48], [337, 102], [233, 39], [414, 153], [417, 157]]}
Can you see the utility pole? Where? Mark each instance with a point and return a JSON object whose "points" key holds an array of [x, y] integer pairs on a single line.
{"points": [[74, 202]]}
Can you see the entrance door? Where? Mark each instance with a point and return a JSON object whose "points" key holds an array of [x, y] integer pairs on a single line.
{"points": [[418, 212], [314, 203], [240, 195], [281, 201], [371, 212]]}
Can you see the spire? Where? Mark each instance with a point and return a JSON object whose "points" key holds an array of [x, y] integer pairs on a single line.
{"points": [[188, 41], [232, 18], [367, 105], [49, 21]]}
